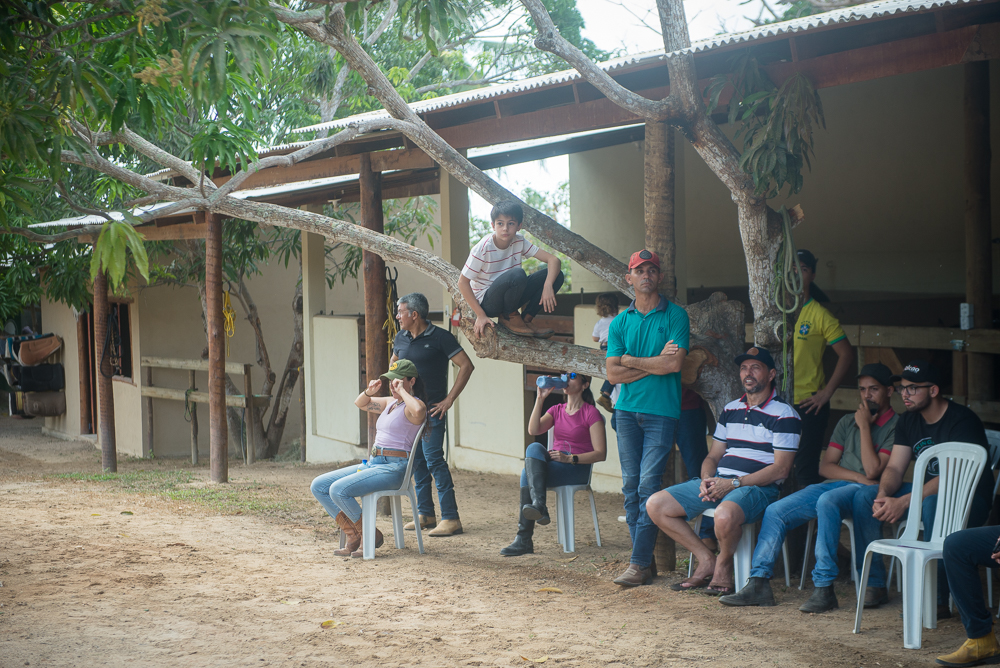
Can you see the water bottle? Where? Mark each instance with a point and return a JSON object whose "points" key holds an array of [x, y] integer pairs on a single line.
{"points": [[555, 382]]}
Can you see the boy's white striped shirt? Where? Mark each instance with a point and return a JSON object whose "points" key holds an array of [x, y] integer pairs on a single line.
{"points": [[486, 262]]}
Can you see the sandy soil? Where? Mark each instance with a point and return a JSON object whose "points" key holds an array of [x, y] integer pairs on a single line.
{"points": [[185, 582]]}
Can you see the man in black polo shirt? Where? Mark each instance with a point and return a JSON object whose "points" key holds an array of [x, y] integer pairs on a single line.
{"points": [[430, 348], [930, 419]]}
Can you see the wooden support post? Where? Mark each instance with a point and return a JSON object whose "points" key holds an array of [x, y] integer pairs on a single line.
{"points": [[194, 421], [376, 353], [86, 361], [248, 418], [105, 393], [978, 225], [658, 194], [149, 412], [218, 429]]}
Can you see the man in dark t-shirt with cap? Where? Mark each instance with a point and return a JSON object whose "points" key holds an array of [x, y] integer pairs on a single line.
{"points": [[429, 348], [930, 419]]}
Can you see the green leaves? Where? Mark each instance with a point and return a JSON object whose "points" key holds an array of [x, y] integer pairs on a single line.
{"points": [[776, 124], [225, 143], [111, 251]]}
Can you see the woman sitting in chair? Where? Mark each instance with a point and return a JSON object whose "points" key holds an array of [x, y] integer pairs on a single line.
{"points": [[399, 420], [577, 441]]}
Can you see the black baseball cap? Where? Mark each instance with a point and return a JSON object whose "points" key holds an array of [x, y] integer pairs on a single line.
{"points": [[759, 354], [807, 258], [879, 372], [919, 371]]}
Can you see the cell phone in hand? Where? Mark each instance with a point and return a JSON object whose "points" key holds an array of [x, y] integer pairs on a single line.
{"points": [[996, 548]]}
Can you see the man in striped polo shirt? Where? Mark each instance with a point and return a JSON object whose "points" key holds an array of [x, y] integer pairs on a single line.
{"points": [[753, 451]]}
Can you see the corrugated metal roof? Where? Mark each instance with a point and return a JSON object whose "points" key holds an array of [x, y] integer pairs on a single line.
{"points": [[871, 10]]}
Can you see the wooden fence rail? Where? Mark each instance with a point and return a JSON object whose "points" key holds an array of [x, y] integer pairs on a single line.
{"points": [[246, 401]]}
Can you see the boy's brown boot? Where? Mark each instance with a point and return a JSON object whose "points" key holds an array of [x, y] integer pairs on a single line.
{"points": [[515, 324], [350, 532], [539, 332]]}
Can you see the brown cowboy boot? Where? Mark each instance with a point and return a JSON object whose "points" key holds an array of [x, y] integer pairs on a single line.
{"points": [[359, 551], [352, 534], [538, 332], [516, 325]]}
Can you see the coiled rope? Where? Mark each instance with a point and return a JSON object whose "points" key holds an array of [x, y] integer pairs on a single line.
{"points": [[229, 315], [390, 326], [787, 283]]}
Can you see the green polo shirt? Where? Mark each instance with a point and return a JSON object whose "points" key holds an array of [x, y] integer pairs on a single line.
{"points": [[847, 438], [632, 333]]}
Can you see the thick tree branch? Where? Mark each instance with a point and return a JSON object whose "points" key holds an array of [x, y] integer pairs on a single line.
{"points": [[390, 12], [550, 40], [594, 259]]}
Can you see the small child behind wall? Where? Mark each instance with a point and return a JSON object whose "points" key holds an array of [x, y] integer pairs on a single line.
{"points": [[494, 284]]}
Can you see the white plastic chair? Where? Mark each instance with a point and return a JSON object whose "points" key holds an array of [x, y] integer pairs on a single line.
{"points": [[565, 513], [742, 557], [810, 532], [369, 503], [961, 465]]}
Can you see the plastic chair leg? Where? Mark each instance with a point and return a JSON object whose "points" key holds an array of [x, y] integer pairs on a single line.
{"points": [[395, 503], [865, 568], [805, 555], [784, 558], [567, 519], [743, 557], [412, 496], [854, 558], [368, 504], [929, 612]]}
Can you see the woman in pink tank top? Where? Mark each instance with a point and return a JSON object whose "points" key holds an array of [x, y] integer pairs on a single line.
{"points": [[400, 418], [577, 439]]}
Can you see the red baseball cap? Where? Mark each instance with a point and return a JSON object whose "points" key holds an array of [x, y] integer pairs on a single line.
{"points": [[640, 257]]}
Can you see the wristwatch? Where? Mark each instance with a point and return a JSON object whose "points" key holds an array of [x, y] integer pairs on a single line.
{"points": [[736, 482], [576, 460]]}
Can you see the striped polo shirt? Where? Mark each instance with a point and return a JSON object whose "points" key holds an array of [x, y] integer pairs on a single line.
{"points": [[753, 433], [486, 262]]}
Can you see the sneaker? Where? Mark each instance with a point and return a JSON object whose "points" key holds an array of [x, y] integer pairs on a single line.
{"points": [[756, 592], [605, 402], [823, 599], [974, 652], [633, 576], [876, 596]]}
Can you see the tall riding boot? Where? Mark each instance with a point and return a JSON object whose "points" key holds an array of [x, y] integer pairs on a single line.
{"points": [[525, 528], [352, 535], [535, 470]]}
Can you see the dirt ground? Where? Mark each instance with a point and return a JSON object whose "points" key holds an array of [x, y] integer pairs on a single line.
{"points": [[195, 575]]}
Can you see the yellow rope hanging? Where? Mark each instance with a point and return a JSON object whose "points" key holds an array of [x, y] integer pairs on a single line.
{"points": [[230, 317], [390, 325]]}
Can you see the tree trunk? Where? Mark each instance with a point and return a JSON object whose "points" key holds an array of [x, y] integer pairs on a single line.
{"points": [[282, 397], [105, 392], [658, 193]]}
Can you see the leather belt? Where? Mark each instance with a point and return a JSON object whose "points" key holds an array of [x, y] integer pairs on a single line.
{"points": [[383, 452]]}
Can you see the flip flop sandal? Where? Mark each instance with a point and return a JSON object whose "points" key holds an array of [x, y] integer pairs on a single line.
{"points": [[720, 590], [691, 583]]}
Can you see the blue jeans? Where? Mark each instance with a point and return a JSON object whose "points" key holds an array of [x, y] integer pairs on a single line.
{"points": [[867, 529], [557, 474], [825, 502], [429, 460], [336, 490], [644, 443], [964, 552]]}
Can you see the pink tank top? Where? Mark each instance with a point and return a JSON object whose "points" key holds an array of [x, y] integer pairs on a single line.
{"points": [[393, 430]]}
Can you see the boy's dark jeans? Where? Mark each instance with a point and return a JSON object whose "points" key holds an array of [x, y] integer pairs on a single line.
{"points": [[514, 288], [964, 552]]}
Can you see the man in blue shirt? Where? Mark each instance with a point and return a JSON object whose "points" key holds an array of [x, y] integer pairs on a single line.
{"points": [[647, 344]]}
